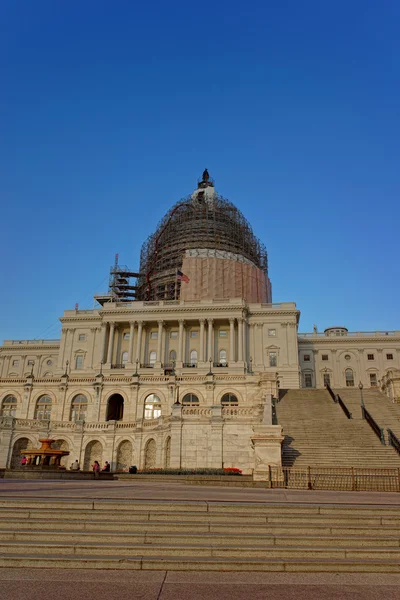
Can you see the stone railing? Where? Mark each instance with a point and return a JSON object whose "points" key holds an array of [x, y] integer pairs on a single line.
{"points": [[350, 334], [236, 411], [196, 411]]}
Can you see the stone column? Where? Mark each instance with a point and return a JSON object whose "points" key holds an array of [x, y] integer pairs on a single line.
{"points": [[103, 341], [240, 339], [232, 340], [139, 341], [180, 341], [159, 340], [245, 345], [201, 353], [380, 363], [64, 333], [259, 345], [130, 347], [93, 332], [210, 347], [110, 344], [318, 383], [335, 371], [285, 355], [253, 343]]}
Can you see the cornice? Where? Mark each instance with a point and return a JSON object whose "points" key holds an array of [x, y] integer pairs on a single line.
{"points": [[43, 347], [347, 340]]}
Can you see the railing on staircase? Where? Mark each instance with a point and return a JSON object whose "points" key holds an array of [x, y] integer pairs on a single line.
{"points": [[373, 424], [337, 398], [335, 478], [393, 440]]}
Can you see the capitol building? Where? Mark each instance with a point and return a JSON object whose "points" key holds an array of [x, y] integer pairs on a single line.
{"points": [[183, 360]]}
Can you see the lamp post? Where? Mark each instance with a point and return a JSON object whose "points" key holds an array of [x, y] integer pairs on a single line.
{"points": [[360, 387], [325, 378], [137, 364]]}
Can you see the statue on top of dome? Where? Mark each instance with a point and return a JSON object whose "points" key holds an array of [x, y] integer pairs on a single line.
{"points": [[206, 175]]}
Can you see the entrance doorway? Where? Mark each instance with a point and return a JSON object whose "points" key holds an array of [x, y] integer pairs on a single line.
{"points": [[115, 408]]}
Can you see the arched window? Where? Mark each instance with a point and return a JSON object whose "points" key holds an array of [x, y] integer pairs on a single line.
{"points": [[152, 357], [9, 406], [193, 358], [172, 357], [229, 399], [79, 408], [152, 407], [43, 408], [190, 399], [349, 378], [222, 357], [124, 358]]}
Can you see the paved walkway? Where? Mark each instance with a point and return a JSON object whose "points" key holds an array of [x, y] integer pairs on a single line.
{"points": [[141, 490], [16, 584]]}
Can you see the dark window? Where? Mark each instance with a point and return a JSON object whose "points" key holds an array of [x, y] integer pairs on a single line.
{"points": [[306, 358], [190, 399], [325, 357], [370, 356], [389, 356], [229, 399], [373, 380], [327, 379], [307, 380]]}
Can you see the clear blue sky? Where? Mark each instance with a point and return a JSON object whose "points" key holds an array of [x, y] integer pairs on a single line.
{"points": [[109, 112]]}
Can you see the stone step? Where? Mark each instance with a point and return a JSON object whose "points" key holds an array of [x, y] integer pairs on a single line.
{"points": [[203, 564], [213, 539], [49, 549]]}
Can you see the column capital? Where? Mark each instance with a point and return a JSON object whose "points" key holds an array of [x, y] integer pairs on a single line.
{"points": [[260, 325], [285, 324], [93, 329], [252, 325], [232, 320], [104, 324], [240, 319], [132, 323], [160, 322], [202, 320], [181, 322], [209, 320]]}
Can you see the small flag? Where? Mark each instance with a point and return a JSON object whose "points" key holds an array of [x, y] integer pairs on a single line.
{"points": [[181, 276]]}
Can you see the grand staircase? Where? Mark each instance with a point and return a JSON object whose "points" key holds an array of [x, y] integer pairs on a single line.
{"points": [[245, 536], [318, 433], [384, 412]]}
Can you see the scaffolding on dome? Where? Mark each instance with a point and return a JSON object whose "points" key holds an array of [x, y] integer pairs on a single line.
{"points": [[194, 223]]}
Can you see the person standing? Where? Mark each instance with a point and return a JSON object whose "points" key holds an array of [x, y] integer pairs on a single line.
{"points": [[96, 469]]}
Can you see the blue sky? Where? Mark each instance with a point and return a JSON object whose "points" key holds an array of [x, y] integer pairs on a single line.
{"points": [[109, 112]]}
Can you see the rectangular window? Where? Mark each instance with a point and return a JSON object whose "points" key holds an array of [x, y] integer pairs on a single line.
{"points": [[79, 362], [223, 333], [325, 357], [272, 332], [15, 363], [273, 359], [327, 379], [194, 334], [30, 363], [173, 335], [82, 337], [373, 380], [154, 335], [306, 358], [389, 356], [127, 336], [308, 380], [370, 356]]}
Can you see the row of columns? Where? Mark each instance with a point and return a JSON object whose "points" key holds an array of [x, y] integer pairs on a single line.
{"points": [[107, 350]]}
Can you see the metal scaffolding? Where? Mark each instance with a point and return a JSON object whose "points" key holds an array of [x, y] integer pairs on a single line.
{"points": [[195, 222]]}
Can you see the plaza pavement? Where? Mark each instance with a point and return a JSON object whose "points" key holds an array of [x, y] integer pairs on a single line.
{"points": [[35, 584]]}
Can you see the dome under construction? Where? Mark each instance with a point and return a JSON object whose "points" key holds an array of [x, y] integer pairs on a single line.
{"points": [[203, 248]]}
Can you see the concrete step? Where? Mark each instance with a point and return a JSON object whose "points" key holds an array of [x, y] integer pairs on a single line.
{"points": [[353, 565], [212, 539]]}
